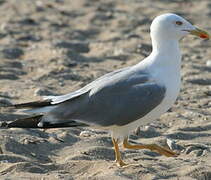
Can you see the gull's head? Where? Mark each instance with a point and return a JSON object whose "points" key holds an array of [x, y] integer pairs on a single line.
{"points": [[172, 26]]}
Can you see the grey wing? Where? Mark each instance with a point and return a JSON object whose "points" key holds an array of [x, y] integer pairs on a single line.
{"points": [[50, 102], [72, 95], [117, 98], [117, 101]]}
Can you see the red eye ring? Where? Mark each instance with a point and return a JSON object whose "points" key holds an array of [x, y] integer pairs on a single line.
{"points": [[179, 23]]}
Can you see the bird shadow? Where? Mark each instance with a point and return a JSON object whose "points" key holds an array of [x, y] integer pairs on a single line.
{"points": [[187, 136], [202, 68], [189, 133], [196, 128]]}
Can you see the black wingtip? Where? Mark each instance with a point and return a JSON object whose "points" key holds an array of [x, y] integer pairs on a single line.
{"points": [[3, 125], [33, 121], [34, 104], [29, 122]]}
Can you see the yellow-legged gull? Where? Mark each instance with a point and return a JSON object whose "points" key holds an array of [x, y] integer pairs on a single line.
{"points": [[125, 99]]}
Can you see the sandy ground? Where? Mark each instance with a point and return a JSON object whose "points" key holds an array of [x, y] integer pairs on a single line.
{"points": [[55, 46]]}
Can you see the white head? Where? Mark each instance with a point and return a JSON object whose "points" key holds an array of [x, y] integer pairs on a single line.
{"points": [[174, 27]]}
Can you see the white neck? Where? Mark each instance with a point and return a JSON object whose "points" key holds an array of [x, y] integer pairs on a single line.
{"points": [[165, 53], [164, 44]]}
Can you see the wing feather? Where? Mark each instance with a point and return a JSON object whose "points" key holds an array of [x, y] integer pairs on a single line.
{"points": [[119, 100]]}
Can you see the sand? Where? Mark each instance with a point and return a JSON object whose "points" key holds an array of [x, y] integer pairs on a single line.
{"points": [[55, 46]]}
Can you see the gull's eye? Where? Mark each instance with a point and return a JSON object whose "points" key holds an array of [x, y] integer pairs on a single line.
{"points": [[179, 23]]}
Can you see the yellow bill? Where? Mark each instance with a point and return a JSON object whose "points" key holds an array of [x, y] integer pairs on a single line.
{"points": [[200, 33]]}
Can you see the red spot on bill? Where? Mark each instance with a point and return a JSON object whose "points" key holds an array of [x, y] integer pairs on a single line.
{"points": [[204, 36]]}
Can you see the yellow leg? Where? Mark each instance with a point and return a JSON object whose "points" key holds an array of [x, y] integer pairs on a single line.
{"points": [[119, 160], [152, 147]]}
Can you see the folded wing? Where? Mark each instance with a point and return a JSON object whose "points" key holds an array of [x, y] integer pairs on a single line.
{"points": [[118, 98]]}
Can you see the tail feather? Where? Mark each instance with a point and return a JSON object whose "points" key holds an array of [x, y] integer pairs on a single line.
{"points": [[29, 122], [37, 109], [33, 107], [33, 121], [34, 104]]}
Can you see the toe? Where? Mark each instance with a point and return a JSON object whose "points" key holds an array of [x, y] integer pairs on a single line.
{"points": [[121, 163]]}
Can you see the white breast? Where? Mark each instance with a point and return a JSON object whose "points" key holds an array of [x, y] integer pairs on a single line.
{"points": [[169, 76]]}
